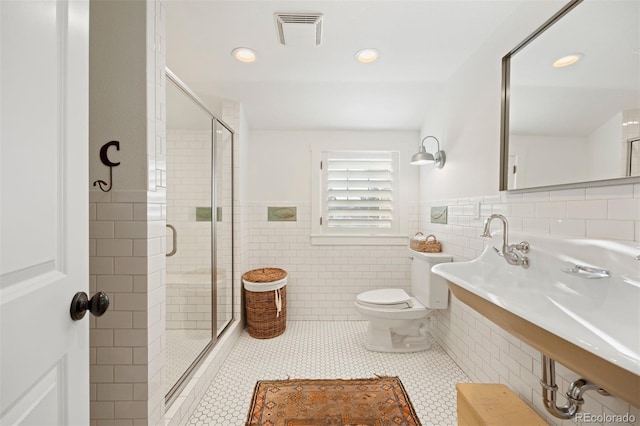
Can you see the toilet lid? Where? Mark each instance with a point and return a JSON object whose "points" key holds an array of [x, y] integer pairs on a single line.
{"points": [[386, 297]]}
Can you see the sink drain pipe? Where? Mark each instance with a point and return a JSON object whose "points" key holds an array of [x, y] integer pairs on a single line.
{"points": [[574, 394]]}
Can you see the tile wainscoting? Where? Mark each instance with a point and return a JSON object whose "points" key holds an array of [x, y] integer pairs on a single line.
{"points": [[484, 351], [324, 280]]}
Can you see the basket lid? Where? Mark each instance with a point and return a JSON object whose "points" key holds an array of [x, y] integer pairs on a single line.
{"points": [[264, 275]]}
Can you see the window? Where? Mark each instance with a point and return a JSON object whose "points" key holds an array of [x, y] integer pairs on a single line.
{"points": [[357, 194]]}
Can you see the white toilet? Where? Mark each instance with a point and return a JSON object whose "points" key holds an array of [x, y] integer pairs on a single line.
{"points": [[398, 321]]}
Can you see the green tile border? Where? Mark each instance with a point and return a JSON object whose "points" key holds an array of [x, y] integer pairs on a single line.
{"points": [[203, 214], [282, 214], [439, 214]]}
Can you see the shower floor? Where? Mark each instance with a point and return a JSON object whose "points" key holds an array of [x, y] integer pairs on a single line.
{"points": [[183, 346], [326, 350]]}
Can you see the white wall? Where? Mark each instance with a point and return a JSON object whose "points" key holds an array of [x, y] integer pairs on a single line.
{"points": [[241, 142], [116, 99], [279, 164], [629, 132], [467, 120], [607, 150], [323, 280], [548, 160]]}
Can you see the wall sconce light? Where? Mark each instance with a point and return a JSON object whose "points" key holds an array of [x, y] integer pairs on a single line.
{"points": [[423, 157]]}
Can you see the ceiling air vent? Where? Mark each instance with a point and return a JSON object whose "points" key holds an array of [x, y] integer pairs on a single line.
{"points": [[299, 28]]}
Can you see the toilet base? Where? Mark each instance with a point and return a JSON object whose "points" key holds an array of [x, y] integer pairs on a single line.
{"points": [[384, 339]]}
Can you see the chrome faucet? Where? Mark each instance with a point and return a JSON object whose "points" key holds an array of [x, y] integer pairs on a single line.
{"points": [[512, 253]]}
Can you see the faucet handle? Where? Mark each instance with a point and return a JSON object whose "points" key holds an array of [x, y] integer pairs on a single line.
{"points": [[516, 258], [523, 246]]}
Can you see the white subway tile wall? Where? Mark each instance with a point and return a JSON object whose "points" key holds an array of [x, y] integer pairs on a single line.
{"points": [[233, 116], [155, 313], [484, 351], [188, 301], [189, 177], [223, 220], [323, 280], [127, 261], [119, 347]]}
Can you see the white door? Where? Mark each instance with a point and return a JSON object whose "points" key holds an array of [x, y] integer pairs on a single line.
{"points": [[44, 355]]}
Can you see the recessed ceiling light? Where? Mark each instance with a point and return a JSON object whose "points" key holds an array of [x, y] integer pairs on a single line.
{"points": [[565, 61], [244, 54], [367, 55]]}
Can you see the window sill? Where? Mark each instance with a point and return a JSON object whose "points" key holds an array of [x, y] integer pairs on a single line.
{"points": [[359, 240]]}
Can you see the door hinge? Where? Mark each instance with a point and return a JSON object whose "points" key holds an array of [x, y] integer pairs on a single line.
{"points": [[321, 165], [320, 221], [515, 168]]}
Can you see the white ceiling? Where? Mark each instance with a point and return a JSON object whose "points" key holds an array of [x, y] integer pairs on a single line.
{"points": [[421, 44]]}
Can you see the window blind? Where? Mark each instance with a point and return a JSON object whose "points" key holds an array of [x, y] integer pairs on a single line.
{"points": [[359, 190]]}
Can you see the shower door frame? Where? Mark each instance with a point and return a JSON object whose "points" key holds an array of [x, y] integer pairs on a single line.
{"points": [[173, 392], [214, 214]]}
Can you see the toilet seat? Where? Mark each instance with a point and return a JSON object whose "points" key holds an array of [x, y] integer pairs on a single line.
{"points": [[387, 298]]}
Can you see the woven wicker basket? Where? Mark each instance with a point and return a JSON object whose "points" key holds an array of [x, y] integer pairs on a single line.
{"points": [[425, 246], [265, 319]]}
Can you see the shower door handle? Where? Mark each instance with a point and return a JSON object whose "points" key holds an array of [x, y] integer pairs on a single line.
{"points": [[174, 240]]}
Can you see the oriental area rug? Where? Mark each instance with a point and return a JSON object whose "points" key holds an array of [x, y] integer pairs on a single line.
{"points": [[380, 401]]}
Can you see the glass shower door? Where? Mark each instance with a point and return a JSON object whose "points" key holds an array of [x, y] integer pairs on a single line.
{"points": [[189, 296], [223, 230], [199, 286]]}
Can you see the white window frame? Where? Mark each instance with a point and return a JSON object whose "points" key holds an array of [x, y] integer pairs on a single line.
{"points": [[321, 234]]}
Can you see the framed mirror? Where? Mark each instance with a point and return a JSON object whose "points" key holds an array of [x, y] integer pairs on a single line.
{"points": [[571, 99]]}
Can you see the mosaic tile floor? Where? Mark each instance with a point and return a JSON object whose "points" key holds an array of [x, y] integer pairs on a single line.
{"points": [[325, 350], [183, 346]]}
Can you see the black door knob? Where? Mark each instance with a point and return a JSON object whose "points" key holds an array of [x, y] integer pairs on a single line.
{"points": [[80, 303]]}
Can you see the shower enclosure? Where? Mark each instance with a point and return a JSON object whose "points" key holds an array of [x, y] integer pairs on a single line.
{"points": [[199, 290]]}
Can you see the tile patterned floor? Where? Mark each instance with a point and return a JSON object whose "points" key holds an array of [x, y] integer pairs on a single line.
{"points": [[325, 350], [183, 346]]}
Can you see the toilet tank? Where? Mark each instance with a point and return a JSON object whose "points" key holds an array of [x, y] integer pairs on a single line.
{"points": [[430, 289]]}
